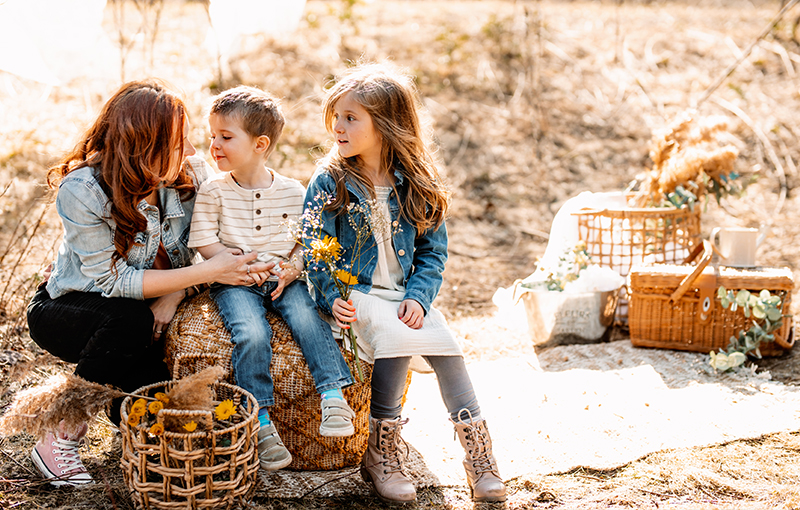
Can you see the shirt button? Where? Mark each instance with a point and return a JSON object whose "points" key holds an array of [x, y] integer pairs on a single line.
{"points": [[258, 227], [258, 211], [176, 252], [401, 252], [285, 215], [258, 195]]}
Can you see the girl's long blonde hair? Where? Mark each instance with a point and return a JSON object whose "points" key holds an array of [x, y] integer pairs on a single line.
{"points": [[136, 140], [390, 98]]}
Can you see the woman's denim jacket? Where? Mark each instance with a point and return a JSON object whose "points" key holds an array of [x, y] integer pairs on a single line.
{"points": [[421, 258], [83, 262]]}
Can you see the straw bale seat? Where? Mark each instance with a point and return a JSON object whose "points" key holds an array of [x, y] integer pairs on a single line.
{"points": [[197, 338]]}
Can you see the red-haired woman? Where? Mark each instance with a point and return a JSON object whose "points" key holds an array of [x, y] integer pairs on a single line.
{"points": [[125, 197]]}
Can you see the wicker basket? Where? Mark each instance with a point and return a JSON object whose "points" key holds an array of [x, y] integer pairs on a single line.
{"points": [[203, 469], [623, 238], [675, 307], [197, 338]]}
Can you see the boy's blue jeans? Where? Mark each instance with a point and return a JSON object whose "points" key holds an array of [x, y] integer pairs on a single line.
{"points": [[243, 311]]}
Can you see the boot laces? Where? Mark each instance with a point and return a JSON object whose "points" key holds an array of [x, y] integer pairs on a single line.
{"points": [[390, 440], [479, 449], [66, 454]]}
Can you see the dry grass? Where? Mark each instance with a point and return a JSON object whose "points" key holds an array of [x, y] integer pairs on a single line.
{"points": [[532, 102]]}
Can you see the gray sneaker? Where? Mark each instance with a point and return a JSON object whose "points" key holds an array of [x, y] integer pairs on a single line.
{"points": [[272, 453], [337, 418]]}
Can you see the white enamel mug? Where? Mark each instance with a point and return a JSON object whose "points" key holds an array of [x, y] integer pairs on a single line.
{"points": [[737, 245]]}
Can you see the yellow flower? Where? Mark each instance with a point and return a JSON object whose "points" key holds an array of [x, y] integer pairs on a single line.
{"points": [[162, 397], [133, 419], [157, 429], [138, 407], [325, 250], [346, 277], [225, 409], [155, 406], [189, 427]]}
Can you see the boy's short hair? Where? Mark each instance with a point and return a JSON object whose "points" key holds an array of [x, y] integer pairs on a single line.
{"points": [[258, 111]]}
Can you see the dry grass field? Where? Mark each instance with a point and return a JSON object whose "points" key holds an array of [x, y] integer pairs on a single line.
{"points": [[532, 102]]}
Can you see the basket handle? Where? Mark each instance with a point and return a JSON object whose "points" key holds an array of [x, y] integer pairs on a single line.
{"points": [[705, 249], [514, 296], [788, 343]]}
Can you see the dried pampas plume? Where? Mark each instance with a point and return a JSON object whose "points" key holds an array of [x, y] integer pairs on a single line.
{"points": [[692, 152], [62, 397], [192, 393]]}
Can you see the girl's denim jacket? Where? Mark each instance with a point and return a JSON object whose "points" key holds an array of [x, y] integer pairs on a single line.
{"points": [[83, 262], [421, 258]]}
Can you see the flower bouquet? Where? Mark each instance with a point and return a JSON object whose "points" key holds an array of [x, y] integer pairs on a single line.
{"points": [[325, 255]]}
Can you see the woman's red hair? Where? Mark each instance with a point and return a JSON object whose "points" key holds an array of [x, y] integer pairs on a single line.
{"points": [[135, 141]]}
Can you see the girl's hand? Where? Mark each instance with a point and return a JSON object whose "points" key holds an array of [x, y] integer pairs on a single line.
{"points": [[163, 309], [411, 313], [344, 312], [285, 277]]}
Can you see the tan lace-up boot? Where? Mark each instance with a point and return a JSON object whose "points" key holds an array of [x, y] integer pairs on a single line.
{"points": [[382, 464], [482, 473]]}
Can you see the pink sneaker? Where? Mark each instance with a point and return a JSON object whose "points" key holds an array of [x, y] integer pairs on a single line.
{"points": [[58, 460]]}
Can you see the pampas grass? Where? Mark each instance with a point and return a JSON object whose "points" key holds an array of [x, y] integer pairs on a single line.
{"points": [[61, 398], [692, 152], [65, 402], [192, 393]]}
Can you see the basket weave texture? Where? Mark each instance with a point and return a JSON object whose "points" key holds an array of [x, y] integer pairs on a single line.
{"points": [[204, 469], [197, 338], [675, 306], [623, 238]]}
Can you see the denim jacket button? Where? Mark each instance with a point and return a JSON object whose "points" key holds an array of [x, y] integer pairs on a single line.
{"points": [[176, 252], [166, 227], [401, 252]]}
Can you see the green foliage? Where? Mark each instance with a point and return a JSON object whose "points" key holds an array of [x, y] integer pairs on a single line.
{"points": [[765, 311], [570, 264]]}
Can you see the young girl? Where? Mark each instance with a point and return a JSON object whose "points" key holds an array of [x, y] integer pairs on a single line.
{"points": [[380, 154]]}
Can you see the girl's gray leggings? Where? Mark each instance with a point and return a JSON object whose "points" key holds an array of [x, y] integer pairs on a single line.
{"points": [[389, 379]]}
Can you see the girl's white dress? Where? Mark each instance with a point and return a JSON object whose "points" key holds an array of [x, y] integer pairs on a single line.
{"points": [[380, 333]]}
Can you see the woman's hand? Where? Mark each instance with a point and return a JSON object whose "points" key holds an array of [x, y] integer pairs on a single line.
{"points": [[288, 274], [411, 313], [164, 309], [344, 312]]}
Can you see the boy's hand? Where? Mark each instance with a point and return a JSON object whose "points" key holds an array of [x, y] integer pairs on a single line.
{"points": [[411, 313], [344, 312], [259, 277], [288, 274]]}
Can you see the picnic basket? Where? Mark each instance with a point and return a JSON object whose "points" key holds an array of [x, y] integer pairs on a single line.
{"points": [[675, 306], [214, 468], [620, 238], [197, 338]]}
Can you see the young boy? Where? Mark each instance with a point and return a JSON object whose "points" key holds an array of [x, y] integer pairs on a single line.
{"points": [[246, 208]]}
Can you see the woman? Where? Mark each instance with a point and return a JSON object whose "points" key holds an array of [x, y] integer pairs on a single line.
{"points": [[125, 197]]}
